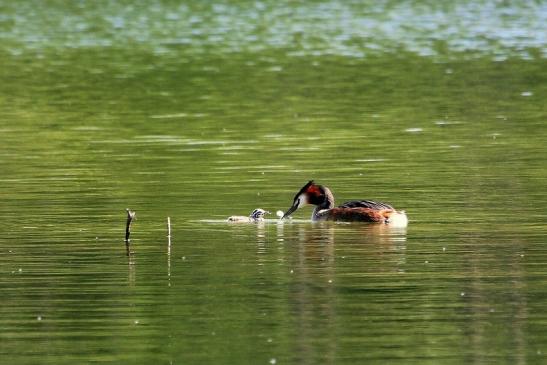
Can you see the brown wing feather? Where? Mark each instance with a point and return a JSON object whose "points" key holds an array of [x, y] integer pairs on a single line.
{"points": [[366, 204]]}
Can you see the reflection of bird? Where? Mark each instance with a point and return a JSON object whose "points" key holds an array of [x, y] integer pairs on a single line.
{"points": [[352, 211], [256, 216]]}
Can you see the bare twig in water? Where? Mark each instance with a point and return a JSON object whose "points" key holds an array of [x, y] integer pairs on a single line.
{"points": [[130, 217], [169, 231]]}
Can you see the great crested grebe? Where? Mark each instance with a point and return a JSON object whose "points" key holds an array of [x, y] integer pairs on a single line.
{"points": [[352, 211], [257, 215]]}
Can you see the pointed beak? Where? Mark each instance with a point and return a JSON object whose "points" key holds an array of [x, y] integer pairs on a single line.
{"points": [[291, 210]]}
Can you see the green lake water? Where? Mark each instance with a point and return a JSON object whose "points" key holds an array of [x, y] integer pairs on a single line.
{"points": [[197, 111]]}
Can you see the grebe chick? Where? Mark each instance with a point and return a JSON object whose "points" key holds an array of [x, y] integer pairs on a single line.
{"points": [[352, 211], [257, 215]]}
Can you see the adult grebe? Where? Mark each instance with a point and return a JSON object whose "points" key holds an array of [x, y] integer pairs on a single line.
{"points": [[257, 215], [352, 211]]}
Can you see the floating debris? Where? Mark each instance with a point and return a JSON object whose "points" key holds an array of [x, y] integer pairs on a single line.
{"points": [[169, 116], [414, 130]]}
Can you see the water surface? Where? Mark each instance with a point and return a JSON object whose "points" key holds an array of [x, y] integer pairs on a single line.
{"points": [[198, 112]]}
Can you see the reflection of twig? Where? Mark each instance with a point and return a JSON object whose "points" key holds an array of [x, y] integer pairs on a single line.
{"points": [[169, 249], [130, 217]]}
